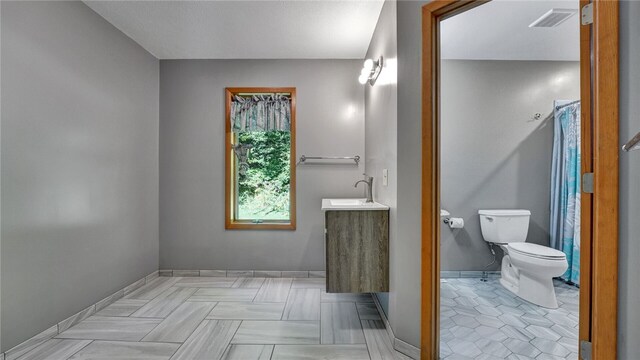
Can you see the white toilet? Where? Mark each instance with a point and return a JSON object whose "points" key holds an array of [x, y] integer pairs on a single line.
{"points": [[527, 269]]}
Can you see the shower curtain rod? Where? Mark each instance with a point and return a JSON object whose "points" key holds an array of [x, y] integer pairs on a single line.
{"points": [[565, 105]]}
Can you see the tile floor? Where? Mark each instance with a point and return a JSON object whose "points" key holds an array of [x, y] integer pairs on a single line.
{"points": [[227, 318], [484, 321]]}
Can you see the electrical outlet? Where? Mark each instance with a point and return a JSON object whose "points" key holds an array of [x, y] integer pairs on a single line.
{"points": [[385, 177]]}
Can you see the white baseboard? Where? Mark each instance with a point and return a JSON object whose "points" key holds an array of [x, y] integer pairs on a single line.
{"points": [[398, 345], [447, 274], [30, 344], [244, 273]]}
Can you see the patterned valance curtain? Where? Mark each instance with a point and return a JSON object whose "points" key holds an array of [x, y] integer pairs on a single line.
{"points": [[258, 113]]}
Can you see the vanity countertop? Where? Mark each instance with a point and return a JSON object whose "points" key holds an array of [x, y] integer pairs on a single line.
{"points": [[351, 204]]}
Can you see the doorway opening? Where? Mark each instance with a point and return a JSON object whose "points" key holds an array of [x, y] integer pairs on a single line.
{"points": [[509, 173], [513, 257]]}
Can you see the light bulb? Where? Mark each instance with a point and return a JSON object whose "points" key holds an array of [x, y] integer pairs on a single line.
{"points": [[368, 64], [365, 72], [363, 79]]}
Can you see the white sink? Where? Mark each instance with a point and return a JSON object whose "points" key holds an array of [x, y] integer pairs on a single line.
{"points": [[346, 202], [351, 204]]}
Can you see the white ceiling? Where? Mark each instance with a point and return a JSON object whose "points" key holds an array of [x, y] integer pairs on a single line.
{"points": [[292, 29], [499, 30]]}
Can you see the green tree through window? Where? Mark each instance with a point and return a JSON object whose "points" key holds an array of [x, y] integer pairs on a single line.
{"points": [[263, 190]]}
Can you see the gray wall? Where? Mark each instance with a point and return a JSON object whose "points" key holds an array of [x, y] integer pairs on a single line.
{"points": [[629, 261], [494, 154], [1, 348], [393, 142], [381, 145], [79, 163], [192, 234], [407, 298]]}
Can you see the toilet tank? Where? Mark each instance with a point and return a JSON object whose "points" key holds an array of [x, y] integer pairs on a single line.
{"points": [[504, 226]]}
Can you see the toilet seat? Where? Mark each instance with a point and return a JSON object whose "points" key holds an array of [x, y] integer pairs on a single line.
{"points": [[537, 251]]}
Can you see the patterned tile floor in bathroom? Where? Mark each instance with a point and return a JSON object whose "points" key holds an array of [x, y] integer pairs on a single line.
{"points": [[484, 321], [227, 318]]}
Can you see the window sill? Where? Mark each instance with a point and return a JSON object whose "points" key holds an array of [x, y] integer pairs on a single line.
{"points": [[261, 226]]}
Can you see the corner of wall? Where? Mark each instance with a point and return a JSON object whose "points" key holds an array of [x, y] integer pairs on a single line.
{"points": [[393, 125], [0, 181], [409, 43]]}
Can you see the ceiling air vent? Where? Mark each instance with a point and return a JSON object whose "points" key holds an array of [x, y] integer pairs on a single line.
{"points": [[553, 18]]}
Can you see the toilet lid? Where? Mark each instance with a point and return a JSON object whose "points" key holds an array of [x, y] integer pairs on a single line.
{"points": [[538, 251]]}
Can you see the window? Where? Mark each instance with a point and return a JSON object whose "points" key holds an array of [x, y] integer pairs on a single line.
{"points": [[260, 158]]}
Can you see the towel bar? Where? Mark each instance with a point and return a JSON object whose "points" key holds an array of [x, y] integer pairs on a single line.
{"points": [[633, 144], [304, 158]]}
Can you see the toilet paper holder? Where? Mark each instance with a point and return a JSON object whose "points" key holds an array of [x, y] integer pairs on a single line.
{"points": [[454, 223]]}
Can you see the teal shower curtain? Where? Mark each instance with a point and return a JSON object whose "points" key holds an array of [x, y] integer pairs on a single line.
{"points": [[565, 186]]}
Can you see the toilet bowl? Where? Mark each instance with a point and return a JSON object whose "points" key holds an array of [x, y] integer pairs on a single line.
{"points": [[527, 269]]}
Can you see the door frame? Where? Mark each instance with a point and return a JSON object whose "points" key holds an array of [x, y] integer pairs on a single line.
{"points": [[600, 150]]}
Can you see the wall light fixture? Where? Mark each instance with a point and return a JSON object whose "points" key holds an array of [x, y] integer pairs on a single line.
{"points": [[370, 71]]}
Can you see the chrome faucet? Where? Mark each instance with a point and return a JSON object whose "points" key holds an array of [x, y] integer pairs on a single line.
{"points": [[369, 181]]}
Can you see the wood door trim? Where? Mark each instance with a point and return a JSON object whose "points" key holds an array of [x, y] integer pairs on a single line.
{"points": [[229, 222], [586, 199], [606, 149], [430, 281], [599, 285]]}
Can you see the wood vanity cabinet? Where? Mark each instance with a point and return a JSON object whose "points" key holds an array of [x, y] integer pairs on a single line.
{"points": [[357, 251]]}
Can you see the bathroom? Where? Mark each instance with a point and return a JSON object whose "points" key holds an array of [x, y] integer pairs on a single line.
{"points": [[502, 136], [140, 218]]}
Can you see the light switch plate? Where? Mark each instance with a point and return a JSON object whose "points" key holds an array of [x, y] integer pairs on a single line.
{"points": [[385, 177]]}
